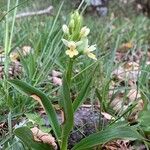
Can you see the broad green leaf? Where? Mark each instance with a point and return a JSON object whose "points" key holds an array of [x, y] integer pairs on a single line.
{"points": [[82, 95], [106, 136], [68, 109], [25, 134], [30, 90]]}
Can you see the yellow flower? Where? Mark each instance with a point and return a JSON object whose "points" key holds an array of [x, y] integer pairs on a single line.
{"points": [[65, 29], [72, 51], [84, 31], [89, 49]]}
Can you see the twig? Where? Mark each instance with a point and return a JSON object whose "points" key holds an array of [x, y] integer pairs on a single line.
{"points": [[33, 13]]}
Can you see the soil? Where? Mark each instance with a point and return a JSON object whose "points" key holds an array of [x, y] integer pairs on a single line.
{"points": [[87, 120]]}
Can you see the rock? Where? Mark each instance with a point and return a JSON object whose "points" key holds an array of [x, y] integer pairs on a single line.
{"points": [[101, 6], [86, 121], [96, 2], [102, 11]]}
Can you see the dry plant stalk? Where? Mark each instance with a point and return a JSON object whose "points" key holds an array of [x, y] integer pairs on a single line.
{"points": [[33, 13]]}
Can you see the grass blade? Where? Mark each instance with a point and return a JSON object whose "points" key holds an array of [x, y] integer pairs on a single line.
{"points": [[82, 95], [83, 92]]}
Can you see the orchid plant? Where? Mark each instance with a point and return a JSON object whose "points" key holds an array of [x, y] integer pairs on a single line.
{"points": [[77, 43]]}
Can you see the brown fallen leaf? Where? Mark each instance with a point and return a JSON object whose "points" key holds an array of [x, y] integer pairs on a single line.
{"points": [[129, 70], [43, 137], [35, 97], [148, 63], [134, 95], [131, 66], [118, 103], [38, 99], [56, 73], [122, 101], [14, 56], [112, 16], [117, 145], [57, 81], [125, 47], [107, 116], [26, 50]]}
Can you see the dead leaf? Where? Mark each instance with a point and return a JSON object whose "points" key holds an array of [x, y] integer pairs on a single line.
{"points": [[118, 103], [14, 56], [125, 47], [117, 145], [134, 95], [56, 73], [38, 99], [130, 66], [129, 71], [112, 16], [57, 81], [43, 137], [26, 50], [107, 116], [122, 101]]}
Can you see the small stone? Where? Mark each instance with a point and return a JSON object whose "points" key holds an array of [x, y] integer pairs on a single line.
{"points": [[102, 11], [96, 2]]}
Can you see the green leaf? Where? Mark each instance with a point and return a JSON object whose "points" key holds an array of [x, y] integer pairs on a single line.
{"points": [[30, 90], [35, 118], [25, 134], [106, 136], [68, 109], [144, 120], [82, 95]]}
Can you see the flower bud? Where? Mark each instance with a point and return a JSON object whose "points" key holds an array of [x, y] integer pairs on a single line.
{"points": [[76, 19], [71, 24], [65, 29], [84, 32]]}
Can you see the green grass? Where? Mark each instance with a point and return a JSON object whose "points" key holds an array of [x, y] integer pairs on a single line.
{"points": [[43, 34]]}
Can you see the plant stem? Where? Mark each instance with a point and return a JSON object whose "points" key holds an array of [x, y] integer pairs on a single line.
{"points": [[68, 124], [69, 71], [64, 144]]}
